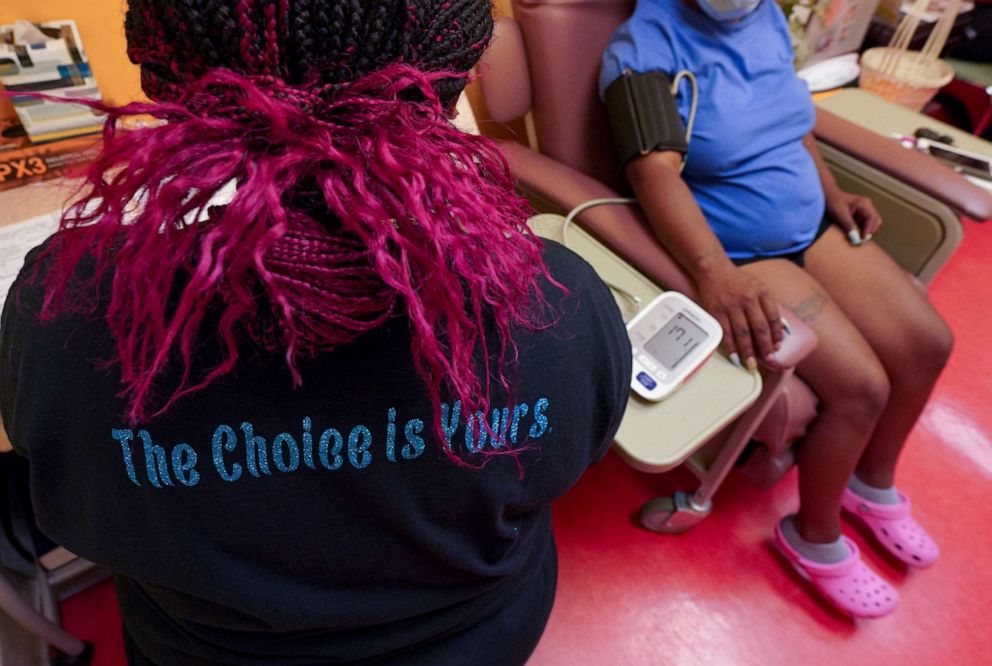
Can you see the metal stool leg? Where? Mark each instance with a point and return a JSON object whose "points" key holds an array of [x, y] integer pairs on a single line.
{"points": [[671, 515]]}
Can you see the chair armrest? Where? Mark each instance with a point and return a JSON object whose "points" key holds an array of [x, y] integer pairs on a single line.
{"points": [[624, 230], [920, 171], [560, 188], [505, 78], [796, 346]]}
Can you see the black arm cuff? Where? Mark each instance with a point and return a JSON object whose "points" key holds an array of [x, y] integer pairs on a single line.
{"points": [[643, 115]]}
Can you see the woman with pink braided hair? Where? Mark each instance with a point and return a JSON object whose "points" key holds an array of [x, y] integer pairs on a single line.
{"points": [[292, 368]]}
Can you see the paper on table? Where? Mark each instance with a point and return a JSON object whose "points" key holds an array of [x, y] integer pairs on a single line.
{"points": [[16, 240]]}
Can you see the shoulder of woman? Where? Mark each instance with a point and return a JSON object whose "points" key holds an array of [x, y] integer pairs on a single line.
{"points": [[642, 44], [27, 290], [565, 265], [586, 293]]}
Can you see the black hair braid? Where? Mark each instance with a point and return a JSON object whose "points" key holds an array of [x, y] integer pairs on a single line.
{"points": [[473, 33], [255, 25], [407, 38], [454, 38], [364, 59], [331, 22], [355, 10], [376, 40], [302, 46], [225, 29], [196, 23], [423, 31]]}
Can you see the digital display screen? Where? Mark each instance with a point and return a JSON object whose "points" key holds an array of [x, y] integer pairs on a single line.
{"points": [[675, 341], [966, 161]]}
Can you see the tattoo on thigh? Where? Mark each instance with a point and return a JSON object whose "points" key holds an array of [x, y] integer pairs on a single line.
{"points": [[810, 307]]}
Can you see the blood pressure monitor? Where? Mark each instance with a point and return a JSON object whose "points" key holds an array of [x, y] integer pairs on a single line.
{"points": [[671, 338]]}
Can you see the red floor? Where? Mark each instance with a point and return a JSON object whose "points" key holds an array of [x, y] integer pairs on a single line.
{"points": [[717, 595]]}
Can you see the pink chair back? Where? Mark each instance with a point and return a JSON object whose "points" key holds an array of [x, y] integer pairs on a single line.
{"points": [[565, 40]]}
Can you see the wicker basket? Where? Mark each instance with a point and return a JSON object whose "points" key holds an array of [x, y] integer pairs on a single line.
{"points": [[914, 81]]}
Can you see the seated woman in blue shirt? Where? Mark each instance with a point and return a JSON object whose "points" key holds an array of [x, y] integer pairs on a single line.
{"points": [[757, 219]]}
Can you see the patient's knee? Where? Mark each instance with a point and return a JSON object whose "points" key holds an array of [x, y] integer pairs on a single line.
{"points": [[935, 343], [861, 394], [928, 347]]}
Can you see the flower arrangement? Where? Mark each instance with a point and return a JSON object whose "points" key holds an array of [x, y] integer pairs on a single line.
{"points": [[800, 13]]}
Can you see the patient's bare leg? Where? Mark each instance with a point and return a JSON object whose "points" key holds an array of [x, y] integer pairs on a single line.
{"points": [[906, 334], [853, 390]]}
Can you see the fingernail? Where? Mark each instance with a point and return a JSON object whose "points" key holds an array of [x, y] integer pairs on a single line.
{"points": [[752, 364], [770, 358], [736, 360], [854, 236], [868, 237]]}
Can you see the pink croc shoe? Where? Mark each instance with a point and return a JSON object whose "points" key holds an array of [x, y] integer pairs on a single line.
{"points": [[850, 584], [894, 528]]}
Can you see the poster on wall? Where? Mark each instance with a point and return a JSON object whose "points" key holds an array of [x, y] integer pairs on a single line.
{"points": [[48, 58]]}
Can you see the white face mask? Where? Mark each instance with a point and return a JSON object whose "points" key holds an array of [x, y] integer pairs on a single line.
{"points": [[728, 10]]}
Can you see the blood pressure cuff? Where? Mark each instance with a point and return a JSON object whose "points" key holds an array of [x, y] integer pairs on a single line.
{"points": [[643, 115]]}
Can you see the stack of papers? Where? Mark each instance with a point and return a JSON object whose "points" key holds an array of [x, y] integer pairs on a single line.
{"points": [[48, 58]]}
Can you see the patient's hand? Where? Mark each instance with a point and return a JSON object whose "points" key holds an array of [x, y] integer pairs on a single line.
{"points": [[752, 325], [853, 212]]}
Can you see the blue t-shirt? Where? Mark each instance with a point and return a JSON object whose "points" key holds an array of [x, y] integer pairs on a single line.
{"points": [[752, 177]]}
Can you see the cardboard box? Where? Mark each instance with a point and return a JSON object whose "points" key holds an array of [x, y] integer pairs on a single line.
{"points": [[12, 134], [47, 161]]}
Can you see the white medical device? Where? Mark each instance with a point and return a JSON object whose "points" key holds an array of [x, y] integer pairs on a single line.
{"points": [[670, 338]]}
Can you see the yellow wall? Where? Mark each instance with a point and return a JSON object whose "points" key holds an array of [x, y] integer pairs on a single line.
{"points": [[101, 25]]}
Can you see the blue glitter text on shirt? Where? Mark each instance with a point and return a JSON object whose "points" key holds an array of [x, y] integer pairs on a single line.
{"points": [[234, 451]]}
